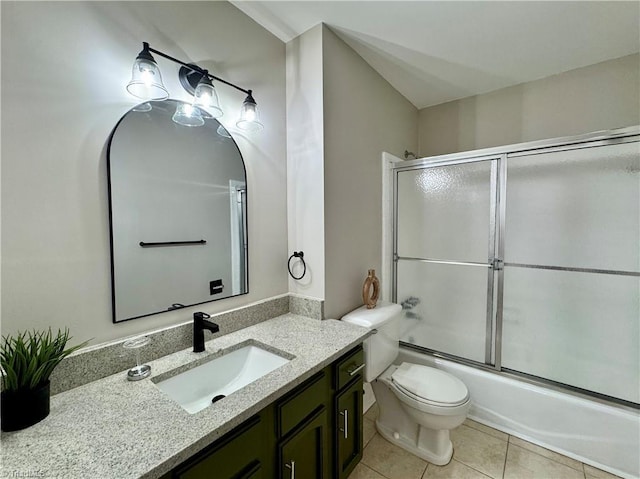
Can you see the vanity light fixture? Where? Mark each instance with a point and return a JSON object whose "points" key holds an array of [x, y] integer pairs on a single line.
{"points": [[206, 98], [188, 115], [249, 119], [146, 80], [146, 84]]}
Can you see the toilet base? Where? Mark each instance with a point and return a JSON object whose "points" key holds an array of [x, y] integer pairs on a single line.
{"points": [[440, 447]]}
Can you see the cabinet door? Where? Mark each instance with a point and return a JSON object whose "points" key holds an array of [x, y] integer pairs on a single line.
{"points": [[304, 454], [348, 429], [238, 455]]}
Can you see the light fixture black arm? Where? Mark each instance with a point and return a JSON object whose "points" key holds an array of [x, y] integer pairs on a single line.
{"points": [[195, 67]]}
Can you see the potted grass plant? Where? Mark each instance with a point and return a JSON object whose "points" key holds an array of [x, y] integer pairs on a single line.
{"points": [[28, 359]]}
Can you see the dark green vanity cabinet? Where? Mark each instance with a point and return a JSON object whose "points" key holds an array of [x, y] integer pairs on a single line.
{"points": [[347, 431], [303, 430], [312, 432], [305, 454], [239, 455]]}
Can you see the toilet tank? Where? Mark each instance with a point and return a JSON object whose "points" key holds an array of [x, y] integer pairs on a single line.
{"points": [[381, 348]]}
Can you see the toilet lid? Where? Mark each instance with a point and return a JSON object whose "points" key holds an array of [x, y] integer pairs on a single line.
{"points": [[430, 384]]}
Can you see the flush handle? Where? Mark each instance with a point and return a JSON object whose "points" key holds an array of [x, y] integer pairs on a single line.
{"points": [[345, 415], [355, 369], [292, 466]]}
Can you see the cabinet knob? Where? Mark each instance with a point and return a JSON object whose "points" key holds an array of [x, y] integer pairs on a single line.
{"points": [[292, 466], [355, 369], [345, 430]]}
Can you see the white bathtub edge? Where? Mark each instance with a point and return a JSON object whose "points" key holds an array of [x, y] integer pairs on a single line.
{"points": [[501, 406], [550, 447]]}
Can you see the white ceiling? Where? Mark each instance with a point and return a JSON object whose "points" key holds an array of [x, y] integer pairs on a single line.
{"points": [[437, 51]]}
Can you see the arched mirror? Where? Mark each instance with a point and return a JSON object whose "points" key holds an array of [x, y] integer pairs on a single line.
{"points": [[178, 202]]}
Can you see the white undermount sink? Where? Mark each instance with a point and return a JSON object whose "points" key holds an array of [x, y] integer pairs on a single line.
{"points": [[195, 388]]}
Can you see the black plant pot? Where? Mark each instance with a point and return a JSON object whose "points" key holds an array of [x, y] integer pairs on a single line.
{"points": [[23, 408]]}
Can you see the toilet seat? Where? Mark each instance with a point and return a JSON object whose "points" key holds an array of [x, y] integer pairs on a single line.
{"points": [[429, 386], [424, 401]]}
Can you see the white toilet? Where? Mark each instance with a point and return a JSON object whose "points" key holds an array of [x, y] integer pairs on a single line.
{"points": [[418, 404]]}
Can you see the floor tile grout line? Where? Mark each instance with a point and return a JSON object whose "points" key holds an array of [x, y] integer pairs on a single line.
{"points": [[508, 442], [473, 468], [375, 470], [486, 433], [375, 431], [424, 471], [582, 469], [480, 430], [371, 467], [453, 458], [550, 458], [385, 477], [506, 454], [492, 437]]}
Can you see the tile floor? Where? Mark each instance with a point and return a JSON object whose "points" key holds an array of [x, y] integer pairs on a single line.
{"points": [[479, 452]]}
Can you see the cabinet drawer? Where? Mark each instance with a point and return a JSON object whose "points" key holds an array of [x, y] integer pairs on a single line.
{"points": [[347, 368], [301, 402]]}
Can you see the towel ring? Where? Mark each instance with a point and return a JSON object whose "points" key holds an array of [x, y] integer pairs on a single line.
{"points": [[300, 255]]}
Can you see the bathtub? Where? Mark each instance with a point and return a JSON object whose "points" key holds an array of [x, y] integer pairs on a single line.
{"points": [[604, 436]]}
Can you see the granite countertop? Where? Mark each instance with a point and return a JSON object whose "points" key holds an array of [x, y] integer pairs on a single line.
{"points": [[114, 428]]}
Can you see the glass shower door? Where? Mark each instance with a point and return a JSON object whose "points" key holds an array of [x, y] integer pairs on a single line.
{"points": [[571, 309], [444, 249]]}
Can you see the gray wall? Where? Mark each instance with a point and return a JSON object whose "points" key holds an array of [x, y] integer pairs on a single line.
{"points": [[363, 116], [64, 70], [596, 97], [305, 160]]}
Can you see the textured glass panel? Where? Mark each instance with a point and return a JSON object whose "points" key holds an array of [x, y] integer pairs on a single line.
{"points": [[580, 329], [577, 208], [444, 307], [443, 212]]}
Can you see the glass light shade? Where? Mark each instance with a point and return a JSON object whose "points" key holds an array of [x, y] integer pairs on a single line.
{"points": [[249, 117], [223, 132], [146, 106], [146, 80], [188, 115], [205, 97]]}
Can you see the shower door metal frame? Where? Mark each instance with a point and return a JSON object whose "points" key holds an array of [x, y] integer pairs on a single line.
{"points": [[493, 263], [496, 265]]}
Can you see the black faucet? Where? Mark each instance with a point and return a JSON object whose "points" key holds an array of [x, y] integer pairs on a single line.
{"points": [[200, 323]]}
